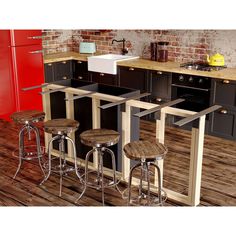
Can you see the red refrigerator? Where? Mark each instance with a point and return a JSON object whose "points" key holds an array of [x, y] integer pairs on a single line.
{"points": [[21, 65]]}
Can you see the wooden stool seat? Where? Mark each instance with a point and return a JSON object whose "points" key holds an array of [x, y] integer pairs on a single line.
{"points": [[23, 117], [148, 150], [61, 126], [99, 137]]}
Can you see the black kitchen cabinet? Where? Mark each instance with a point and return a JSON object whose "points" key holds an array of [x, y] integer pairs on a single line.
{"points": [[58, 71], [80, 70], [110, 119], [58, 103], [223, 123], [224, 92], [49, 72], [103, 78], [160, 88], [63, 70], [134, 78]]}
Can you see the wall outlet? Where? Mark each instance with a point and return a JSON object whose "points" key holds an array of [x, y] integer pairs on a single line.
{"points": [[87, 47]]}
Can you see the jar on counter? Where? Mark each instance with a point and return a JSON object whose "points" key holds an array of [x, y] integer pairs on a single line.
{"points": [[162, 51]]}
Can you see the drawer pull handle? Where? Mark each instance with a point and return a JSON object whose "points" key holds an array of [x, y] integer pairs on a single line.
{"points": [[158, 99], [64, 62], [159, 72], [50, 64], [225, 81], [64, 77], [223, 111], [80, 77], [79, 62], [131, 68], [35, 37], [101, 74]]}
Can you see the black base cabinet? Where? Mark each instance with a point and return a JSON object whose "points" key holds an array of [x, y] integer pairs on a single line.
{"points": [[58, 103], [223, 121], [80, 70], [111, 118]]}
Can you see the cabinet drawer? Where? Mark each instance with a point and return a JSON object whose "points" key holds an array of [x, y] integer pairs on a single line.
{"points": [[103, 78], [225, 92], [223, 123]]}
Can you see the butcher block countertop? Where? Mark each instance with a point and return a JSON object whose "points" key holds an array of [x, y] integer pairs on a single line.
{"points": [[228, 73]]}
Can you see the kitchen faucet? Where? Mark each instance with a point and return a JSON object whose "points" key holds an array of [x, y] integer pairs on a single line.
{"points": [[124, 49]]}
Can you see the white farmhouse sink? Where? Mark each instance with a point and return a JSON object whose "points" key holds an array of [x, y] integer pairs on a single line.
{"points": [[106, 63]]}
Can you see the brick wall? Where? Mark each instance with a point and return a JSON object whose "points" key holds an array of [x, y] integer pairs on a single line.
{"points": [[184, 45]]}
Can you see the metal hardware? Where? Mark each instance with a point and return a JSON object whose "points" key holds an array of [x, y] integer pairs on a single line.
{"points": [[112, 104], [79, 62], [34, 87], [54, 90], [50, 64], [155, 109], [189, 87], [223, 111], [64, 77], [131, 68], [23, 154], [80, 77], [36, 52], [35, 37], [79, 96], [101, 74], [197, 115], [159, 72], [63, 62], [225, 81]]}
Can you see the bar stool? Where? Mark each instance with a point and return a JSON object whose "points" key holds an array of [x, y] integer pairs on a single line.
{"points": [[146, 152], [27, 118], [60, 128], [99, 140]]}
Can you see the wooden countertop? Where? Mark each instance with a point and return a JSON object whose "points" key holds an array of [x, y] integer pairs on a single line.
{"points": [[228, 73]]}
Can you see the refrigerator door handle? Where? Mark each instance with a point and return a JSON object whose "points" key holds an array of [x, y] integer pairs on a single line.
{"points": [[35, 52], [35, 37]]}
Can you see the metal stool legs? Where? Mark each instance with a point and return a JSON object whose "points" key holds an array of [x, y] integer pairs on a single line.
{"points": [[28, 128], [100, 174], [60, 139], [145, 169]]}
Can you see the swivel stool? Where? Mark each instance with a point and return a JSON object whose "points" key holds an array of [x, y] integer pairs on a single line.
{"points": [[27, 119], [146, 152], [99, 140], [60, 128]]}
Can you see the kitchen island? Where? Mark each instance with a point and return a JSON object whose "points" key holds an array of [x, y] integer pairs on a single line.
{"points": [[197, 137]]}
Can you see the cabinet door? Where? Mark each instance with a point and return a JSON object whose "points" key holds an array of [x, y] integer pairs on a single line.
{"points": [[225, 92], [223, 123], [26, 37], [103, 78], [80, 70], [48, 72], [133, 78], [160, 86], [63, 70]]}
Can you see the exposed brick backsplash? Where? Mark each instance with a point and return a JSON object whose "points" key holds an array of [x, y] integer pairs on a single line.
{"points": [[184, 45]]}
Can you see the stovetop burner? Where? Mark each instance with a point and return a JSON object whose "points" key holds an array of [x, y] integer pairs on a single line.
{"points": [[201, 66]]}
